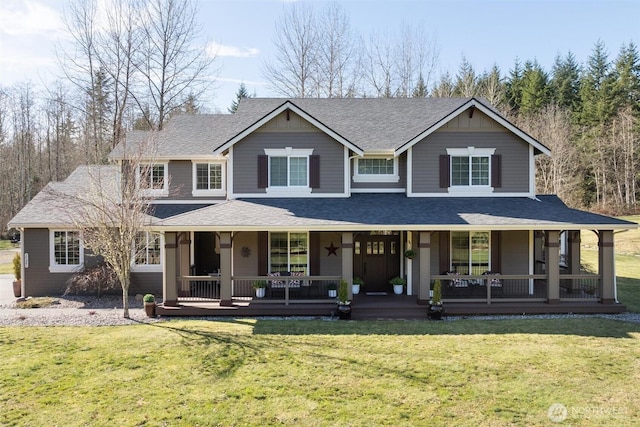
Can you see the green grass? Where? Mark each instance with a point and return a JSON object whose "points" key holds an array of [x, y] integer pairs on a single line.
{"points": [[322, 373], [6, 244], [6, 268]]}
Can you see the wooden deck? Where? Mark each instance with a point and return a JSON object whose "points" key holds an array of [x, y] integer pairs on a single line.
{"points": [[383, 307]]}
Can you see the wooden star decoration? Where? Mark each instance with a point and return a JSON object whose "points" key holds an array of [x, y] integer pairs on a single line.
{"points": [[332, 249]]}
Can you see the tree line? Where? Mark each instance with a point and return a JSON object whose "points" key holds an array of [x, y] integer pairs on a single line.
{"points": [[134, 64]]}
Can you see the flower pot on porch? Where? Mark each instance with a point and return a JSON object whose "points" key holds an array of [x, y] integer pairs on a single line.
{"points": [[344, 310], [355, 289], [261, 292], [333, 293], [435, 312], [17, 288], [150, 309], [398, 289]]}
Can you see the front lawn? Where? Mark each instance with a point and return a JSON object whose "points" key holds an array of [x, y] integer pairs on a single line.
{"points": [[317, 373]]}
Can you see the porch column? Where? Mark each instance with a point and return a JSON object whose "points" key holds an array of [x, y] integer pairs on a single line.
{"points": [[424, 257], [573, 257], [605, 266], [184, 254], [169, 286], [225, 268], [347, 261], [553, 266]]}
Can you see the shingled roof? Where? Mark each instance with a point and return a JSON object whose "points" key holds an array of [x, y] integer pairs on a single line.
{"points": [[371, 124], [393, 212]]}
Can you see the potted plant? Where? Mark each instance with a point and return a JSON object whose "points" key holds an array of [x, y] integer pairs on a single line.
{"points": [[149, 305], [436, 309], [261, 288], [398, 285], [357, 284], [410, 253], [344, 305], [17, 271], [333, 290]]}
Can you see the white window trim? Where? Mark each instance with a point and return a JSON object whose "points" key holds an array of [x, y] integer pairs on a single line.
{"points": [[357, 177], [164, 191], [64, 268], [212, 192], [149, 268], [288, 233], [470, 152], [489, 267], [288, 152]]}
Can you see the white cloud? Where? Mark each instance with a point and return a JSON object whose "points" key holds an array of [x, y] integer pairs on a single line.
{"points": [[28, 17], [221, 50]]}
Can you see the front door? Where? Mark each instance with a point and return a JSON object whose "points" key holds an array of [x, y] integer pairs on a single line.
{"points": [[376, 259]]}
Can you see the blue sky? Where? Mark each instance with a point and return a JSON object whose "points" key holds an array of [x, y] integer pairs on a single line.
{"points": [[483, 31]]}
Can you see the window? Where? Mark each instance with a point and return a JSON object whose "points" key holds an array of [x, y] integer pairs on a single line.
{"points": [[376, 170], [470, 252], [147, 251], [208, 179], [66, 251], [472, 170], [288, 170], [152, 178], [288, 252]]}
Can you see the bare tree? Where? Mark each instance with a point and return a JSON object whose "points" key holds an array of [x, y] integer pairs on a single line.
{"points": [[112, 213], [171, 65], [296, 57], [336, 58]]}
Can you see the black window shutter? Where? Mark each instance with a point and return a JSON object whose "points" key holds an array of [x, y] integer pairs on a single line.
{"points": [[314, 171], [263, 171], [496, 171], [263, 253], [444, 171]]}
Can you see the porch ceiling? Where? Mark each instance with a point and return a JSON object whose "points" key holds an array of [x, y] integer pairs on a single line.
{"points": [[390, 212]]}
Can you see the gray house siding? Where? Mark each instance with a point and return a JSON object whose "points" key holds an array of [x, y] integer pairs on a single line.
{"points": [[181, 181], [37, 280], [514, 247], [514, 152], [146, 283], [246, 152]]}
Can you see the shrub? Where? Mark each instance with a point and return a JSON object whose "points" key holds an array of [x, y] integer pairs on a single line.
{"points": [[343, 292], [98, 279], [17, 266], [149, 298]]}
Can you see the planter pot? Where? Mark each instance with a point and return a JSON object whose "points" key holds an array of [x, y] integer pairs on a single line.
{"points": [[398, 289], [261, 292], [355, 289], [333, 293], [17, 288], [344, 311], [150, 309], [435, 312]]}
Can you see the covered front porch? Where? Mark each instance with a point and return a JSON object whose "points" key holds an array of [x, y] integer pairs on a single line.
{"points": [[515, 254]]}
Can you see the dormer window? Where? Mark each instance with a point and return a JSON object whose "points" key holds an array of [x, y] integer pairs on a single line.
{"points": [[288, 171], [376, 169]]}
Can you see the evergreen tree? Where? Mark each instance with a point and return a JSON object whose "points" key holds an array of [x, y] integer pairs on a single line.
{"points": [[420, 91], [492, 87], [627, 73], [597, 88], [565, 82], [466, 80], [535, 88], [444, 88], [514, 87], [241, 93]]}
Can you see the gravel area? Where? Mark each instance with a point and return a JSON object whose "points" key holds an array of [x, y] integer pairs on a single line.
{"points": [[77, 311], [107, 311]]}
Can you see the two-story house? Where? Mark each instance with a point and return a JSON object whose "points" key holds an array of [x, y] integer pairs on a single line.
{"points": [[305, 192]]}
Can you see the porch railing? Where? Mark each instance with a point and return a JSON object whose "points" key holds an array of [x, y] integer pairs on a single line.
{"points": [[286, 288], [282, 289], [513, 288]]}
